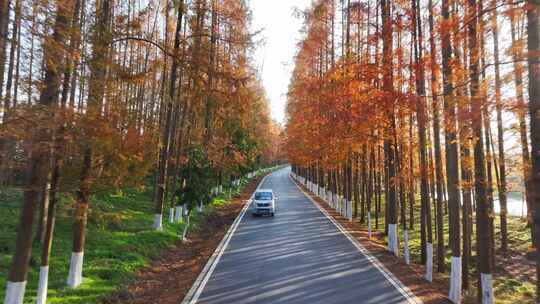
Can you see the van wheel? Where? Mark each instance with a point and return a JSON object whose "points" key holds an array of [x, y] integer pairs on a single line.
{"points": [[272, 214]]}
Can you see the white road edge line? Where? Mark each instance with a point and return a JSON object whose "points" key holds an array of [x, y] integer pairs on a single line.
{"points": [[404, 290], [198, 286]]}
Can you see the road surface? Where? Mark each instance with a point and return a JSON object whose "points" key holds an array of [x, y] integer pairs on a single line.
{"points": [[296, 257]]}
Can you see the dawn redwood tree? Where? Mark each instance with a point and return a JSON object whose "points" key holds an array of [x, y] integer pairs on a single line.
{"points": [[452, 157], [167, 133], [520, 110], [439, 179], [102, 38], [426, 231], [14, 54], [533, 59], [485, 287], [4, 21], [389, 145], [57, 159], [501, 180], [39, 163]]}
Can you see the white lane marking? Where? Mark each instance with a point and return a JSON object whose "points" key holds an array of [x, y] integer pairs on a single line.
{"points": [[404, 290], [196, 289]]}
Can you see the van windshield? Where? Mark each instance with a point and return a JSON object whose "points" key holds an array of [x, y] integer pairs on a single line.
{"points": [[263, 196]]}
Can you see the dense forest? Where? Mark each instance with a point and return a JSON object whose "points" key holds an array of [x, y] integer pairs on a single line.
{"points": [[421, 116], [103, 95]]}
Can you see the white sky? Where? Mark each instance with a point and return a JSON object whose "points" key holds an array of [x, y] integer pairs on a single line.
{"points": [[281, 32]]}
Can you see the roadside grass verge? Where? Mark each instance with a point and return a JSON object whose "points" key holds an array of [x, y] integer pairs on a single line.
{"points": [[120, 240], [514, 275]]}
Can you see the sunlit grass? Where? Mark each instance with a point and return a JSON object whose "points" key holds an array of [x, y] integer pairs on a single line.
{"points": [[119, 241]]}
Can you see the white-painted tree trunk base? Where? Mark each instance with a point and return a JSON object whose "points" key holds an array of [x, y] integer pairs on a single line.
{"points": [[75, 269], [178, 214], [220, 189], [455, 280], [487, 288], [406, 252], [171, 215], [158, 222], [184, 233], [15, 292], [43, 285], [200, 207], [350, 211], [429, 262], [369, 224], [392, 239]]}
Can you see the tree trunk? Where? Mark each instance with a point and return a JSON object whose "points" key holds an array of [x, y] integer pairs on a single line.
{"points": [[452, 160], [485, 289], [4, 21], [439, 179], [96, 93], [426, 230], [500, 134], [49, 230], [412, 180], [520, 112], [38, 169], [167, 129], [533, 58], [389, 145]]}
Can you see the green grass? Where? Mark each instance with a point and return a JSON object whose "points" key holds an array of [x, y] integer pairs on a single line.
{"points": [[120, 241]]}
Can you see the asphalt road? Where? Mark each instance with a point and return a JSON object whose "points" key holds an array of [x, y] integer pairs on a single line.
{"points": [[298, 256]]}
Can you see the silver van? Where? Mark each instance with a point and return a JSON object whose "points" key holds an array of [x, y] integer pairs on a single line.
{"points": [[263, 202]]}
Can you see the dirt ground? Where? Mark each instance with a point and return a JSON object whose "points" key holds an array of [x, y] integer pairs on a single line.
{"points": [[170, 277]]}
